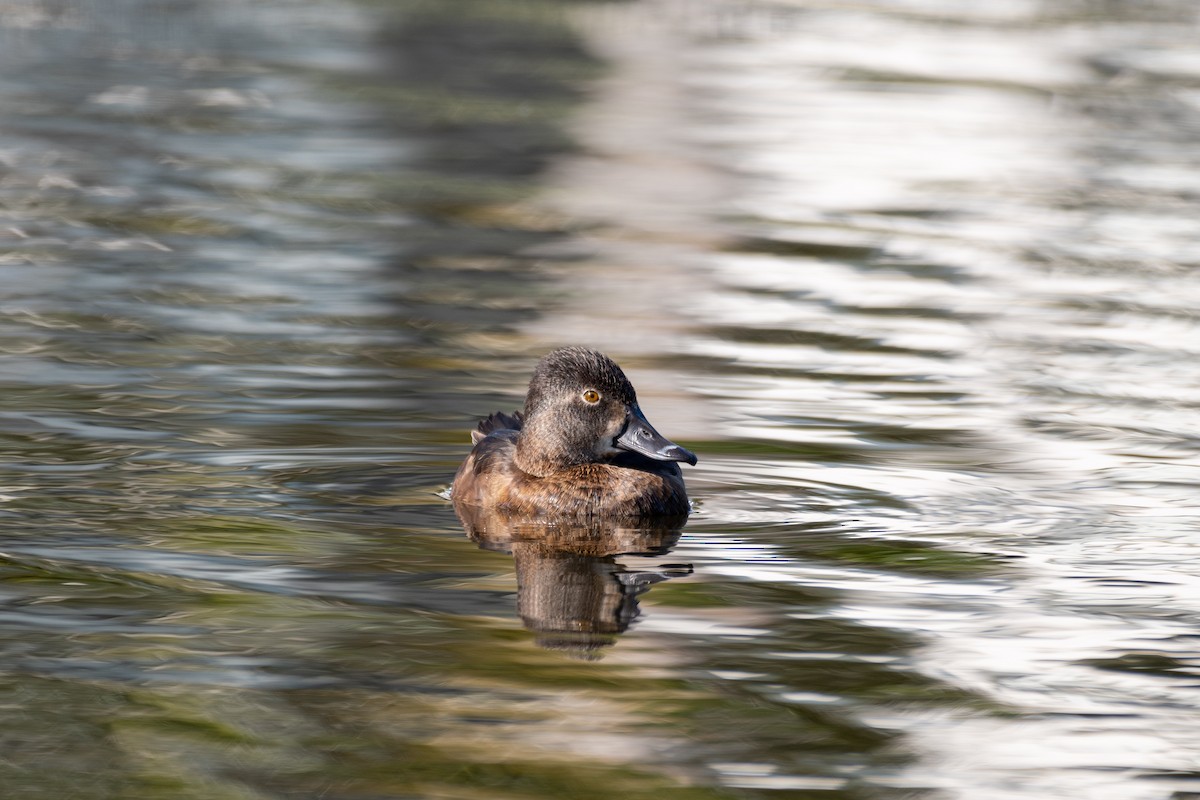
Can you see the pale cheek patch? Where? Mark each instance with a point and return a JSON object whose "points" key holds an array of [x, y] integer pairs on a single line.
{"points": [[604, 447]]}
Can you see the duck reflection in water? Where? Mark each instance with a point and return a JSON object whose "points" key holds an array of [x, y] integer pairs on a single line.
{"points": [[571, 590]]}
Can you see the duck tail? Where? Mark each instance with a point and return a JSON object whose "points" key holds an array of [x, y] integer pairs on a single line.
{"points": [[498, 421]]}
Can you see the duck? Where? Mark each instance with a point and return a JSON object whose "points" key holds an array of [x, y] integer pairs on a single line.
{"points": [[581, 447]]}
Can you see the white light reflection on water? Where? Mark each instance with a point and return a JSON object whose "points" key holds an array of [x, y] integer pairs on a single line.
{"points": [[966, 260]]}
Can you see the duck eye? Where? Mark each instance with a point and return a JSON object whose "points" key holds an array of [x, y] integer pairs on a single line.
{"points": [[591, 397]]}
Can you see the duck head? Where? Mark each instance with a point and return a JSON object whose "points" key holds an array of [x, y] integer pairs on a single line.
{"points": [[581, 409]]}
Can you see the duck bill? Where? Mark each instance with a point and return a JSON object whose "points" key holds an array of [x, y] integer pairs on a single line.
{"points": [[640, 437]]}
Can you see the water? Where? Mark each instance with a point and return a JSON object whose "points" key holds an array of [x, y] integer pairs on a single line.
{"points": [[916, 280]]}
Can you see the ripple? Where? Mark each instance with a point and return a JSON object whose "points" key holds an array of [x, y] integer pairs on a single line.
{"points": [[925, 310]]}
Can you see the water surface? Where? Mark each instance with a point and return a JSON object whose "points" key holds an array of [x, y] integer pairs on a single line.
{"points": [[916, 282]]}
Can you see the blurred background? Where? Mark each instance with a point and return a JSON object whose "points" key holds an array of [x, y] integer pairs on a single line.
{"points": [[916, 279]]}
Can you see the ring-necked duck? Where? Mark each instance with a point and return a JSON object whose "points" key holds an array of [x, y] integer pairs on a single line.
{"points": [[581, 447]]}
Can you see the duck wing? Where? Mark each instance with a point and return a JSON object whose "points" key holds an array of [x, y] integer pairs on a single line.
{"points": [[499, 421]]}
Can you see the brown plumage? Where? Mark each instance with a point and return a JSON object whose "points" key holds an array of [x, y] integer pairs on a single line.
{"points": [[581, 447]]}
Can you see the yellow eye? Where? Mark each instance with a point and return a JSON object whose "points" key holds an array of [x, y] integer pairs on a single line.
{"points": [[591, 396]]}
